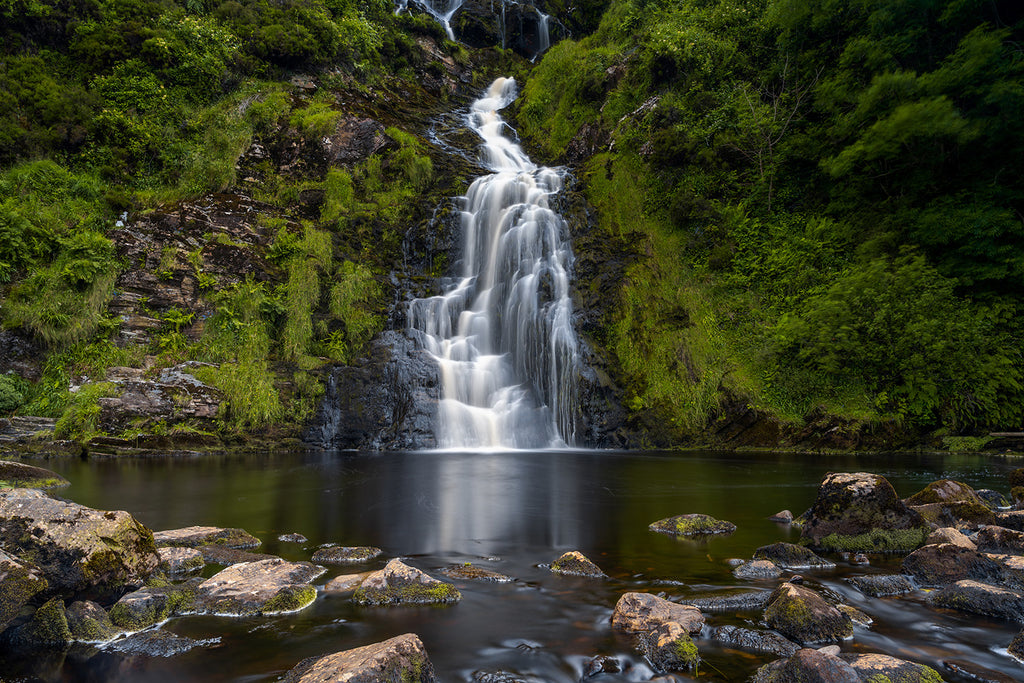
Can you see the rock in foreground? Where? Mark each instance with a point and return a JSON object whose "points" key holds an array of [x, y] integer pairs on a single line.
{"points": [[861, 512], [692, 525], [981, 598], [265, 587], [802, 615], [876, 667], [401, 659], [807, 666], [17, 475], [398, 583], [75, 547], [18, 583], [945, 563]]}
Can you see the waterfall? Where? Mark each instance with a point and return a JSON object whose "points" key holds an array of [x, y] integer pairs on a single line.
{"points": [[442, 10], [502, 333]]}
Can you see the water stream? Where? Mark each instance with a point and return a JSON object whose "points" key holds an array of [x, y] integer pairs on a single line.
{"points": [[502, 331]]}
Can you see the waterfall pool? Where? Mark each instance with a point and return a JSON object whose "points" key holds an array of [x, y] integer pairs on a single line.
{"points": [[513, 513]]}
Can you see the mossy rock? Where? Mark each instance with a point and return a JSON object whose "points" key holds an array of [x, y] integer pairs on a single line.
{"points": [[575, 563], [345, 554], [692, 525], [1016, 647], [19, 582], [16, 475], [1017, 478], [290, 599], [792, 556], [945, 563], [90, 623], [1017, 493], [399, 584], [669, 647], [196, 536], [47, 627], [944, 491], [804, 616], [877, 541], [878, 668]]}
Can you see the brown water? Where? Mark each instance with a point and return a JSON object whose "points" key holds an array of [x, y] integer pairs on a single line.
{"points": [[513, 513]]}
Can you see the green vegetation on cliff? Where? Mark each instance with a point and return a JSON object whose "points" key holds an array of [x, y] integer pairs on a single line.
{"points": [[824, 200]]}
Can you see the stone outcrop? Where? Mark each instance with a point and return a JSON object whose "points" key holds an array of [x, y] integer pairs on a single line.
{"points": [[196, 536], [807, 666], [981, 598], [575, 563], [802, 615], [861, 512], [692, 525], [643, 612], [398, 583], [76, 548], [401, 659], [792, 556], [265, 587], [345, 555]]}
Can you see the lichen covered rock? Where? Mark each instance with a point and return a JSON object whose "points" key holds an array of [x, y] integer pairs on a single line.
{"points": [[981, 598], [950, 535], [266, 587], [75, 547], [178, 560], [48, 627], [643, 612], [997, 539], [808, 666], [152, 604], [669, 647], [470, 572], [90, 623], [861, 512], [692, 525], [802, 615], [883, 585], [754, 641], [345, 555], [758, 569], [398, 583], [399, 659], [196, 536], [877, 667], [792, 556], [945, 563], [575, 563]]}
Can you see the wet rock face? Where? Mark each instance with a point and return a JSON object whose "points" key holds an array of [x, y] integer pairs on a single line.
{"points": [[398, 583], [808, 666], [861, 512], [402, 658], [90, 623], [801, 614], [196, 536], [669, 648], [20, 354], [748, 601], [345, 555], [75, 547], [519, 27], [755, 641], [642, 612], [882, 585], [265, 587], [996, 539]]}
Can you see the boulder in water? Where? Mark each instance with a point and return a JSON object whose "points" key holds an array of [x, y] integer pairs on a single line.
{"points": [[950, 535], [807, 666], [692, 525], [883, 585], [969, 671], [399, 584], [802, 615], [48, 627], [861, 512], [757, 569], [345, 583], [150, 605], [196, 536], [76, 548], [174, 560], [1016, 647], [877, 667], [669, 647], [225, 556], [783, 517], [792, 556], [945, 563], [981, 598], [755, 641], [1013, 519], [746, 601], [602, 664], [470, 572], [402, 658], [265, 587], [643, 612], [292, 538], [157, 643], [18, 583], [575, 563], [345, 555]]}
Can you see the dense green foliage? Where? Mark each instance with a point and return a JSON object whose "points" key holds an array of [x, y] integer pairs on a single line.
{"points": [[827, 197]]}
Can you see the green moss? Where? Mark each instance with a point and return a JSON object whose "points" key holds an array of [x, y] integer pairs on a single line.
{"points": [[1017, 493], [692, 525], [290, 599], [413, 594], [17, 587], [686, 651], [48, 625], [135, 617], [877, 540]]}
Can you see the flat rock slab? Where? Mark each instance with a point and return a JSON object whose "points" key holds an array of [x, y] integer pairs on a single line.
{"points": [[470, 572], [802, 615], [692, 525], [757, 569], [345, 554], [266, 587], [399, 584], [75, 547], [981, 598], [792, 556], [575, 563], [195, 536], [870, 666], [402, 658], [643, 612], [175, 560], [883, 585], [754, 641], [19, 582], [16, 475]]}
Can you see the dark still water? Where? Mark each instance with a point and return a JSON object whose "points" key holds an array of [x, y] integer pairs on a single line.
{"points": [[513, 513]]}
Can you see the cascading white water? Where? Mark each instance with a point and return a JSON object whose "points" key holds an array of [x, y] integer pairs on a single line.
{"points": [[502, 333], [442, 10]]}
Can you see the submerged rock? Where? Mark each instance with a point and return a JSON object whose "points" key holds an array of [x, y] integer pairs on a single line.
{"points": [[90, 623], [16, 475], [575, 563], [19, 582], [938, 565], [883, 585], [471, 572], [402, 658], [792, 556], [399, 584], [196, 536], [807, 666], [602, 664], [692, 525], [345, 555], [861, 512], [150, 605], [265, 587], [802, 615], [981, 598], [292, 538], [642, 612], [75, 547], [758, 569], [876, 667], [755, 641], [174, 560], [972, 672]]}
